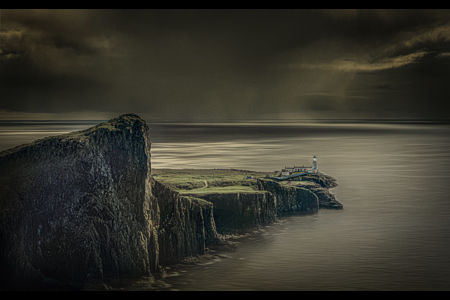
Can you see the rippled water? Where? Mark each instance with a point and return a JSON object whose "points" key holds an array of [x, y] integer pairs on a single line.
{"points": [[394, 230]]}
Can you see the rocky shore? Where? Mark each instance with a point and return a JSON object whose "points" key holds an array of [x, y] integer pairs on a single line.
{"points": [[243, 200], [84, 208]]}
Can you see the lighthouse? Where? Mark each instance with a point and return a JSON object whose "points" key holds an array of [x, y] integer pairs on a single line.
{"points": [[314, 165]]}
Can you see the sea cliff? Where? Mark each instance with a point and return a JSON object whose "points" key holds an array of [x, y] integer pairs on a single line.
{"points": [[243, 200], [186, 224], [238, 212], [84, 208], [78, 207]]}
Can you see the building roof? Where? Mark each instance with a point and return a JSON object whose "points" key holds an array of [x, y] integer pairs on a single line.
{"points": [[295, 167]]}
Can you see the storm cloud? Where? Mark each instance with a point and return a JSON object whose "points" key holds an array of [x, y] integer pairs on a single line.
{"points": [[224, 64]]}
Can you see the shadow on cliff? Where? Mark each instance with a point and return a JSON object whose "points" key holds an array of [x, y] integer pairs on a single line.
{"points": [[82, 208]]}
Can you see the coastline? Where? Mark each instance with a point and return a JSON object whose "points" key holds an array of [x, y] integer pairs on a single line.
{"points": [[113, 216]]}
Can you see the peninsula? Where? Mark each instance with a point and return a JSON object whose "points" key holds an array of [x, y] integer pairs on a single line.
{"points": [[86, 207]]}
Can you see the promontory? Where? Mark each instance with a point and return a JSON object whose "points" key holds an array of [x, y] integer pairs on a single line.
{"points": [[84, 207]]}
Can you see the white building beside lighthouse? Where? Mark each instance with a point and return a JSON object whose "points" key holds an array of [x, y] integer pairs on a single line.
{"points": [[291, 171]]}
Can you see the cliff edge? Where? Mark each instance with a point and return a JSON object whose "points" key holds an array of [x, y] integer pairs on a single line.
{"points": [[79, 208], [83, 207], [243, 200]]}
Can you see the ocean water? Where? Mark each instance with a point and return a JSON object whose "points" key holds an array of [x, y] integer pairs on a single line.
{"points": [[394, 230]]}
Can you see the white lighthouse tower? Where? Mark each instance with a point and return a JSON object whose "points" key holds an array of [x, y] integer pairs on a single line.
{"points": [[314, 165]]}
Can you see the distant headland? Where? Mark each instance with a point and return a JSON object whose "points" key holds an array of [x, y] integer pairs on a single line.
{"points": [[86, 207]]}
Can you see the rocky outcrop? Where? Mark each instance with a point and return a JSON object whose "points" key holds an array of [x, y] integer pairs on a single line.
{"points": [[236, 212], [320, 184], [290, 200], [83, 207], [186, 225], [79, 208], [323, 180]]}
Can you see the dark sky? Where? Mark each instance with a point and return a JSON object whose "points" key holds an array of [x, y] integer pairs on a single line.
{"points": [[224, 64]]}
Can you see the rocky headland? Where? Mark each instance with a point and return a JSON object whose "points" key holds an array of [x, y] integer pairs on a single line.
{"points": [[243, 199], [84, 208]]}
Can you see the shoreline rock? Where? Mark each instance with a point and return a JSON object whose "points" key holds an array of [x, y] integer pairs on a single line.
{"points": [[76, 206], [83, 208]]}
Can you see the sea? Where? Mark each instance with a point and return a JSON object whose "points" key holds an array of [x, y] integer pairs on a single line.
{"points": [[393, 233]]}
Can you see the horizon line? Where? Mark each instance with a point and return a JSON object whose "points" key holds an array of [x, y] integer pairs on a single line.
{"points": [[440, 120]]}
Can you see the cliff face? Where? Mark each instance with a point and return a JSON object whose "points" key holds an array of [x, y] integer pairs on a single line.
{"points": [[234, 212], [239, 211], [186, 227], [320, 184], [82, 207], [79, 207], [290, 200]]}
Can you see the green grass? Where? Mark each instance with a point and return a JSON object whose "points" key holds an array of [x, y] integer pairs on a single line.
{"points": [[225, 189], [192, 181], [218, 181]]}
